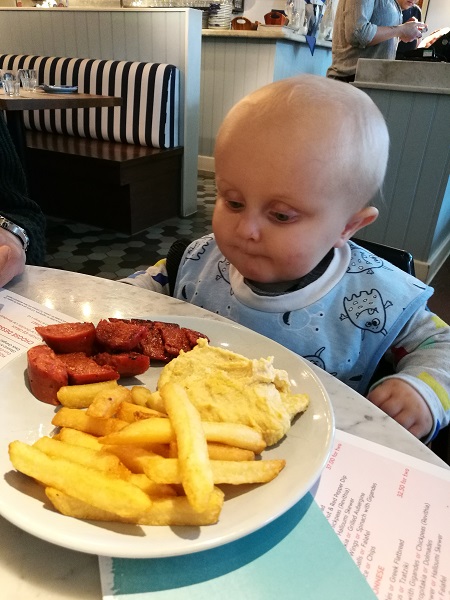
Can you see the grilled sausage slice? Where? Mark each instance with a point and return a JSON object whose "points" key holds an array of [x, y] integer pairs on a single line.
{"points": [[69, 337], [83, 369], [46, 373]]}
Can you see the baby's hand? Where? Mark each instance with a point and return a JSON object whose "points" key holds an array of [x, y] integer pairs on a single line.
{"points": [[400, 401]]}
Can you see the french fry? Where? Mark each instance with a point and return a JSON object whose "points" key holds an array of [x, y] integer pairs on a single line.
{"points": [[193, 460], [218, 452], [153, 489], [158, 449], [78, 438], [132, 457], [173, 450], [240, 472], [169, 511], [135, 412], [178, 511], [81, 396], [106, 403], [235, 434], [155, 401], [144, 397], [102, 491], [142, 433], [224, 452], [139, 395], [78, 509], [78, 419], [94, 459], [167, 470], [160, 431]]}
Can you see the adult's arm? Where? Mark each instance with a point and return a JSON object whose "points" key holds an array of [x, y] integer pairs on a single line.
{"points": [[364, 25], [407, 32], [15, 204]]}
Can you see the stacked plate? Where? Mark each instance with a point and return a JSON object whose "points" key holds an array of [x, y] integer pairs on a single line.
{"points": [[220, 16], [205, 18]]}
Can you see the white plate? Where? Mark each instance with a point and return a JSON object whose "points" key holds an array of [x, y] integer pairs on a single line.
{"points": [[60, 89], [306, 449]]}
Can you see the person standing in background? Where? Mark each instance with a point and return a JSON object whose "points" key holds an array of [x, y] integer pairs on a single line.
{"points": [[22, 223], [413, 13], [369, 29]]}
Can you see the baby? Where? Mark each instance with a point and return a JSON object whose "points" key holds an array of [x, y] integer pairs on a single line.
{"points": [[297, 165]]}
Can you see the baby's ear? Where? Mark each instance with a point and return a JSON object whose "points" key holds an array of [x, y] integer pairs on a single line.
{"points": [[357, 221]]}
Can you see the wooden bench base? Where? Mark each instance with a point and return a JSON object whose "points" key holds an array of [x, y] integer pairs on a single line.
{"points": [[122, 187]]}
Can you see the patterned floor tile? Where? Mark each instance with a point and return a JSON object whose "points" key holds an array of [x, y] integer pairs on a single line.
{"points": [[86, 249]]}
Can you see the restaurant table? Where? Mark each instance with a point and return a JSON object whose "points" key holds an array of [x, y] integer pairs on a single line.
{"points": [[31, 568], [40, 100]]}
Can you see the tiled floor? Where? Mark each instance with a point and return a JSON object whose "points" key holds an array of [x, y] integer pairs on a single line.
{"points": [[105, 253]]}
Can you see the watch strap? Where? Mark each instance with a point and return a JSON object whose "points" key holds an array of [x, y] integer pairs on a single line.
{"points": [[15, 230]]}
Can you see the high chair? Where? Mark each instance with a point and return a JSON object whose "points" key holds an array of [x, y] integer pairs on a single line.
{"points": [[404, 261], [399, 258]]}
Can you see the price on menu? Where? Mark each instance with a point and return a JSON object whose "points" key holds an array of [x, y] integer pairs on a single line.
{"points": [[393, 516]]}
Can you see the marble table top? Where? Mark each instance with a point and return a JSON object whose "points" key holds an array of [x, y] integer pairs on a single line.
{"points": [[31, 568]]}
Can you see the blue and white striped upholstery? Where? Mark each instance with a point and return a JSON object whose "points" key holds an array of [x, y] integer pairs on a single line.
{"points": [[150, 95]]}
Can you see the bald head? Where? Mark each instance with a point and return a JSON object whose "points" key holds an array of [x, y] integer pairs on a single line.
{"points": [[338, 122]]}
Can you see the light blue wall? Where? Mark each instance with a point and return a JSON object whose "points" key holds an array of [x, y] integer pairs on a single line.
{"points": [[415, 203], [294, 58], [443, 223]]}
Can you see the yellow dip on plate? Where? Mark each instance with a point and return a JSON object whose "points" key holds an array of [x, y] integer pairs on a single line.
{"points": [[225, 386]]}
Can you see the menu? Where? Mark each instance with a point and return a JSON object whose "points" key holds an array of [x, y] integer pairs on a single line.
{"points": [[389, 511], [18, 319], [392, 513]]}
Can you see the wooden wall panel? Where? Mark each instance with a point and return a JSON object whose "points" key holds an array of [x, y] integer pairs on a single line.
{"points": [[415, 207], [231, 68], [234, 67]]}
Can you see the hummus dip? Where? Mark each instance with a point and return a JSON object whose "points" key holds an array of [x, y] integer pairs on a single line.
{"points": [[225, 386]]}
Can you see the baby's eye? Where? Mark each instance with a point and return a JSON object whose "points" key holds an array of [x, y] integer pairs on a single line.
{"points": [[234, 204], [281, 217]]}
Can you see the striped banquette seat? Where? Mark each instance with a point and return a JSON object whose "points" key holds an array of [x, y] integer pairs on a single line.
{"points": [[116, 167]]}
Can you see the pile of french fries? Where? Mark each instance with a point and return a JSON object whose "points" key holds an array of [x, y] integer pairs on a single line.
{"points": [[115, 458]]}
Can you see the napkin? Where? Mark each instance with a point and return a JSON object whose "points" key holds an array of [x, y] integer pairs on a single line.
{"points": [[298, 556]]}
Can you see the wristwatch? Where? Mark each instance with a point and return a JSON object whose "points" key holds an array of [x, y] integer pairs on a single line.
{"points": [[16, 230]]}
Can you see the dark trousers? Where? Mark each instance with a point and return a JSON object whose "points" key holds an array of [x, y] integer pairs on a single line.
{"points": [[345, 79]]}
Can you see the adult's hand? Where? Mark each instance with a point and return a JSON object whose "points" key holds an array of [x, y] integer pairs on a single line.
{"points": [[12, 257], [407, 32], [411, 30]]}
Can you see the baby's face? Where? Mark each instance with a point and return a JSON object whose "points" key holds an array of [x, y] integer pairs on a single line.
{"points": [[277, 211]]}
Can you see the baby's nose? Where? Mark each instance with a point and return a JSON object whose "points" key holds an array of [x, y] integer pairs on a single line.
{"points": [[248, 227]]}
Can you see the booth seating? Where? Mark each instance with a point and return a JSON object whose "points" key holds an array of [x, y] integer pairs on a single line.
{"points": [[119, 168]]}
